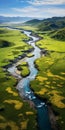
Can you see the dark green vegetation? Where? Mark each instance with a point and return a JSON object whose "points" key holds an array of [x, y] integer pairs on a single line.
{"points": [[52, 24], [24, 69], [4, 43], [14, 112], [60, 34]]}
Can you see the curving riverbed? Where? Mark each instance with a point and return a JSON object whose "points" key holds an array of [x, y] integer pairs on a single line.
{"points": [[23, 85]]}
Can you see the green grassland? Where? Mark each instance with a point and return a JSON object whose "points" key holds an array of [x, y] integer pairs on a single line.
{"points": [[12, 37], [26, 27], [24, 69], [14, 112], [50, 81]]}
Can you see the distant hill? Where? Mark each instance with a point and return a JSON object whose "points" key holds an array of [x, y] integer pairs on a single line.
{"points": [[59, 35], [14, 19], [47, 24], [33, 22], [52, 24]]}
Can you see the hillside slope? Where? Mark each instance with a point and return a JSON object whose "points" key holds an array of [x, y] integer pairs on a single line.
{"points": [[52, 24], [33, 22], [47, 24], [59, 35]]}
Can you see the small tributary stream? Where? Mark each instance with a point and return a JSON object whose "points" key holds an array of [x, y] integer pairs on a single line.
{"points": [[23, 85]]}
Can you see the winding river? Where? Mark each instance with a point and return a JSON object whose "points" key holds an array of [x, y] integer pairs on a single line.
{"points": [[23, 85]]}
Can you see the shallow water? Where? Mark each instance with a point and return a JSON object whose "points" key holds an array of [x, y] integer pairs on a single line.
{"points": [[24, 85]]}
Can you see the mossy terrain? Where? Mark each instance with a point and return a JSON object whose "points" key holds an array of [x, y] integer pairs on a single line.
{"points": [[50, 81], [24, 69], [14, 112]]}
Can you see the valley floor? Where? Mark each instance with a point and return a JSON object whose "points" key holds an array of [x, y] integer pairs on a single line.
{"points": [[49, 83]]}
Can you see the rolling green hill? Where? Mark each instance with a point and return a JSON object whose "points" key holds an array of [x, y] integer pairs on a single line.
{"points": [[52, 23], [47, 24], [33, 22], [60, 34], [55, 24]]}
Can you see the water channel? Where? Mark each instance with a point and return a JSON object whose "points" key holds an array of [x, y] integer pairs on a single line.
{"points": [[23, 85]]}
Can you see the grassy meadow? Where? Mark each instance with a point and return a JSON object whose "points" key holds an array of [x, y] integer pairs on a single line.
{"points": [[50, 80], [14, 112]]}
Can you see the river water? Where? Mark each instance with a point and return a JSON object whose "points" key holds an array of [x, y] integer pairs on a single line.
{"points": [[23, 85]]}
